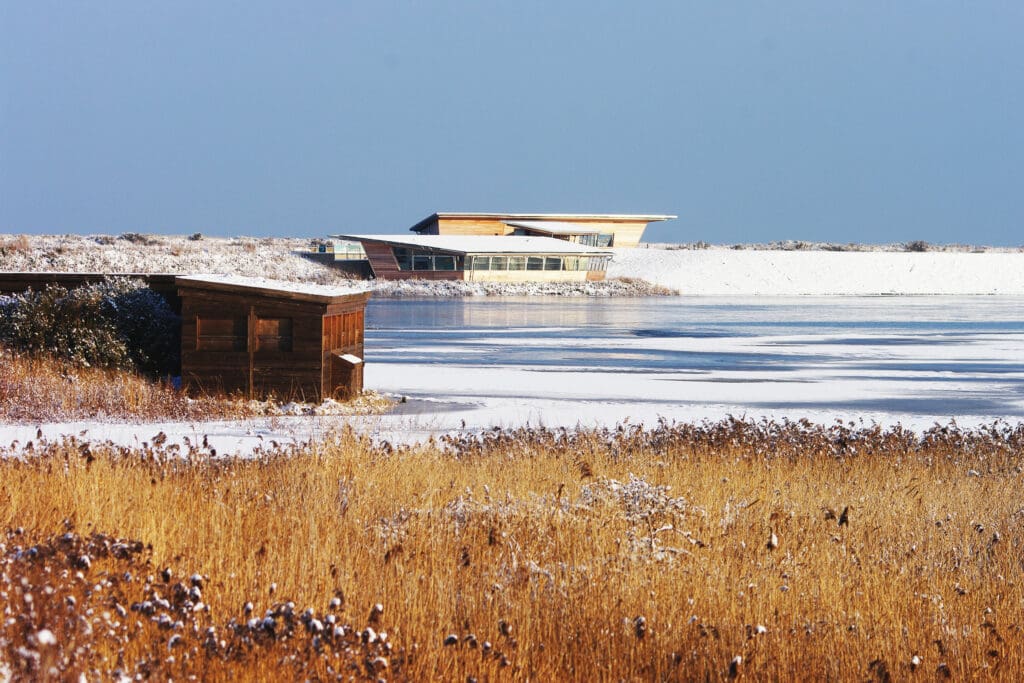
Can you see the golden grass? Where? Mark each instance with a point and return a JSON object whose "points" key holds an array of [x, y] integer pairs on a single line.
{"points": [[538, 555], [42, 389]]}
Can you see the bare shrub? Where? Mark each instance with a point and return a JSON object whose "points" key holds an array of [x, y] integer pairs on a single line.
{"points": [[117, 323], [19, 244], [138, 238]]}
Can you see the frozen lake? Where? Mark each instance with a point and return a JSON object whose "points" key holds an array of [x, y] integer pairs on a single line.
{"points": [[479, 363], [503, 362]]}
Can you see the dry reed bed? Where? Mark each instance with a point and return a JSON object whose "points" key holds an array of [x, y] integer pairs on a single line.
{"points": [[36, 390], [768, 551], [44, 389]]}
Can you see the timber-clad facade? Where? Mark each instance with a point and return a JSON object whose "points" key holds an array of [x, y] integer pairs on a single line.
{"points": [[253, 339], [510, 247], [481, 258], [599, 230]]}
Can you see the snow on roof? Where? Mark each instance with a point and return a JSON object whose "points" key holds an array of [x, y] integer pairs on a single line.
{"points": [[555, 227], [264, 285], [482, 244]]}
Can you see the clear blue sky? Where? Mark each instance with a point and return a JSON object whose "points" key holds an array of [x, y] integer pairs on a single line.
{"points": [[753, 121]]}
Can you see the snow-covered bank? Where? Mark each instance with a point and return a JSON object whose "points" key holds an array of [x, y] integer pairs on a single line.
{"points": [[750, 271], [722, 271], [277, 258]]}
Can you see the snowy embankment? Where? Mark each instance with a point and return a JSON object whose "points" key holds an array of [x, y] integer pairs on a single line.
{"points": [[712, 270], [285, 259], [715, 270], [720, 271]]}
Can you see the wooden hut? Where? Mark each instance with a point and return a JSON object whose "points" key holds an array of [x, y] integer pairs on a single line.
{"points": [[262, 337]]}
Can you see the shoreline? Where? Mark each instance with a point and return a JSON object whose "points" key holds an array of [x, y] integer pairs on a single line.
{"points": [[695, 269]]}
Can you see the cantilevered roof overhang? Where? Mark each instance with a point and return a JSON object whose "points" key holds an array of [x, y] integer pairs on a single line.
{"points": [[563, 228], [565, 217], [462, 245]]}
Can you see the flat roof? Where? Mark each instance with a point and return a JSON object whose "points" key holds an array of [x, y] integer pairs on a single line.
{"points": [[483, 244], [302, 291], [555, 227], [610, 217]]}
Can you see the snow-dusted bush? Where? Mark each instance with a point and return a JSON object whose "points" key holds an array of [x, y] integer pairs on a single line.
{"points": [[117, 323]]}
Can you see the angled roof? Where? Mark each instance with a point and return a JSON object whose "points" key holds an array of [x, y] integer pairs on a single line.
{"points": [[570, 217], [555, 227], [484, 244]]}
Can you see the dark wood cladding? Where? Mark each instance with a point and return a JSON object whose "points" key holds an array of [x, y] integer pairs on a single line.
{"points": [[382, 260], [385, 267], [262, 343]]}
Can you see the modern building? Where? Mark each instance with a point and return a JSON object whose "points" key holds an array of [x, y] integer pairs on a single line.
{"points": [[594, 230], [262, 337], [489, 258]]}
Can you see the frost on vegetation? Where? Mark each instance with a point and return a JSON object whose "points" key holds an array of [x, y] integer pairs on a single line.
{"points": [[461, 288], [118, 323], [465, 508], [275, 258], [650, 510], [367, 403], [639, 500], [63, 598]]}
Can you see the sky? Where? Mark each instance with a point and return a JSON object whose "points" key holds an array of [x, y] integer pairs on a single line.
{"points": [[752, 121]]}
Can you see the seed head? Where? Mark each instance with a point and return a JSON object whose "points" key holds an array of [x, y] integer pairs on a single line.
{"points": [[734, 666], [45, 637], [376, 612], [640, 626]]}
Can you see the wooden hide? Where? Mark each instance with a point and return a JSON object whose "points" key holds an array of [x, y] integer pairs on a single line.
{"points": [[260, 343]]}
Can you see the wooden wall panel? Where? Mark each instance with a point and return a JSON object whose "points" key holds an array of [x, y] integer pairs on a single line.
{"points": [[472, 226], [286, 342], [627, 233], [382, 260], [343, 334]]}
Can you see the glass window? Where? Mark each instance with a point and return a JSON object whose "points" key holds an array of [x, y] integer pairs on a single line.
{"points": [[535, 263], [481, 263], [421, 262], [221, 334], [552, 263], [499, 263], [274, 334], [571, 263], [345, 251], [588, 240], [605, 239], [444, 263], [403, 257], [517, 263]]}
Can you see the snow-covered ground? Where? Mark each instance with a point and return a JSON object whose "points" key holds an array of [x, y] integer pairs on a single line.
{"points": [[447, 397], [732, 272], [713, 270]]}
